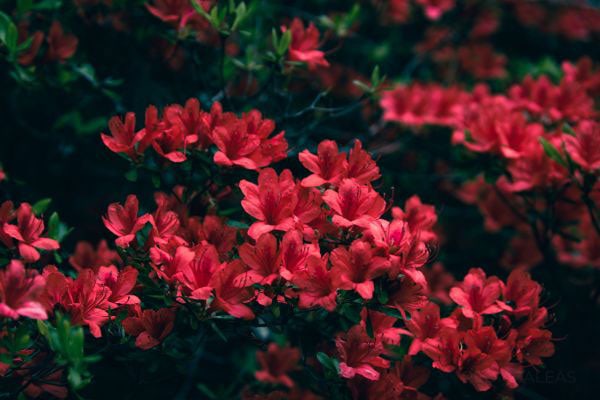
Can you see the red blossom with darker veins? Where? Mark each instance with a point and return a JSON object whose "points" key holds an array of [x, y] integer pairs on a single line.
{"points": [[423, 104], [28, 233], [150, 327], [85, 256], [354, 204], [477, 294], [229, 297], [359, 354], [124, 137], [276, 363], [425, 326], [304, 44], [356, 267], [178, 13], [120, 283], [124, 222], [271, 201], [20, 292], [327, 166], [316, 284], [61, 46], [584, 146]]}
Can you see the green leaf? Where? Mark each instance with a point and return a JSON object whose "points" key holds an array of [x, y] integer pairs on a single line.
{"points": [[552, 152], [392, 312], [284, 43], [328, 362], [11, 38], [568, 129], [41, 206], [131, 175], [237, 224], [24, 6]]}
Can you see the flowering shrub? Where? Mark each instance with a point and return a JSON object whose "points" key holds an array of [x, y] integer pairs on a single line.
{"points": [[302, 226]]}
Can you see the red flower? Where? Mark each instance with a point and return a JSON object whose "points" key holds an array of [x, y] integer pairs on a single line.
{"points": [[168, 264], [584, 148], [328, 166], [425, 325], [87, 302], [7, 214], [172, 142], [477, 368], [214, 231], [355, 269], [535, 345], [263, 261], [195, 275], [20, 292], [405, 251], [359, 354], [419, 104], [176, 12], [26, 57], [85, 256], [354, 204], [477, 294], [480, 61], [276, 363], [27, 232], [120, 283], [304, 44], [316, 285], [294, 254], [400, 382], [361, 166], [444, 350], [228, 296], [407, 295], [382, 326], [124, 222], [486, 341], [420, 217], [245, 141], [271, 202], [150, 326], [521, 294], [434, 9], [60, 46], [124, 137], [165, 224]]}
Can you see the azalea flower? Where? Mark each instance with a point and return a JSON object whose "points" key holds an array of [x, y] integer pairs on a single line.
{"points": [[28, 233], [150, 327], [20, 292], [359, 354], [124, 222], [271, 201], [276, 363], [304, 44]]}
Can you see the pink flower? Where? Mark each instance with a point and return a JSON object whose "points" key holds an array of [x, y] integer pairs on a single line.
{"points": [[124, 222], [304, 44], [150, 326], [477, 294], [27, 232], [20, 292], [276, 363], [354, 204], [271, 202]]}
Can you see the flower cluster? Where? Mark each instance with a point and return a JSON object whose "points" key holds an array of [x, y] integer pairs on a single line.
{"points": [[315, 246], [546, 137], [243, 141]]}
